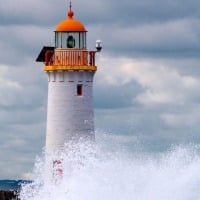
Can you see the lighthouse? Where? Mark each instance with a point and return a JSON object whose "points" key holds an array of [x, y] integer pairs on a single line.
{"points": [[70, 69]]}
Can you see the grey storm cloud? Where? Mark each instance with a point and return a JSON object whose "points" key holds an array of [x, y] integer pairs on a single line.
{"points": [[144, 28], [163, 100], [146, 90], [125, 12]]}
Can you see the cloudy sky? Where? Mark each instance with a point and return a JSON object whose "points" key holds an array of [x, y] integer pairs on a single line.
{"points": [[147, 88]]}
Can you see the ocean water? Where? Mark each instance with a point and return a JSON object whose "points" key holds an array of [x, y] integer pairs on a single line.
{"points": [[90, 173], [7, 185]]}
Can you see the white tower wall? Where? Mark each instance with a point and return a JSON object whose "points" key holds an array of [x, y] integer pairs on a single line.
{"points": [[69, 115]]}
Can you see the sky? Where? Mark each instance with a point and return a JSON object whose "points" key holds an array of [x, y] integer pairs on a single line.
{"points": [[146, 89]]}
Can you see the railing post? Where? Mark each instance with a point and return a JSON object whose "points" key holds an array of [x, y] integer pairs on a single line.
{"points": [[92, 58]]}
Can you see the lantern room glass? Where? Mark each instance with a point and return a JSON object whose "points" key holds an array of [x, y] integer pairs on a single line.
{"points": [[70, 40]]}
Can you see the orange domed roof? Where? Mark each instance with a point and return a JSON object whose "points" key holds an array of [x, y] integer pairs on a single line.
{"points": [[70, 24]]}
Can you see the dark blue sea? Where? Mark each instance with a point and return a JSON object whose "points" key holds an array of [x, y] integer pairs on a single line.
{"points": [[8, 185]]}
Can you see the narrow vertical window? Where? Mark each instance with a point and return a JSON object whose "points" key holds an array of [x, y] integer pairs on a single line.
{"points": [[79, 90], [70, 42]]}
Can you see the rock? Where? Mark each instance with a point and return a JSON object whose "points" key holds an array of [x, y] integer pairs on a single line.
{"points": [[8, 195]]}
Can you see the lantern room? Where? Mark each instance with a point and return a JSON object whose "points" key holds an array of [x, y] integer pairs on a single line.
{"points": [[70, 50], [70, 33]]}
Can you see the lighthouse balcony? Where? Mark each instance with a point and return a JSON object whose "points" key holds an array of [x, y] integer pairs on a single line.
{"points": [[69, 59]]}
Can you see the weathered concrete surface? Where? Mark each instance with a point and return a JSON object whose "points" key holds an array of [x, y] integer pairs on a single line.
{"points": [[8, 195]]}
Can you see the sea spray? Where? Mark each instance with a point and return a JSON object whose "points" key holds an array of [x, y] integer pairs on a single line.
{"points": [[93, 174]]}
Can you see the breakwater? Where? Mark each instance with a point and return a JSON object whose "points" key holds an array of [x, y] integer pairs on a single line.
{"points": [[8, 195]]}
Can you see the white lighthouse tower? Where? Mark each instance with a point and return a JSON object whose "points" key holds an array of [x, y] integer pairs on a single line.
{"points": [[70, 69]]}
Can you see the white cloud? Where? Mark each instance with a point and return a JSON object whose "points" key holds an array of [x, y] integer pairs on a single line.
{"points": [[166, 85], [168, 96], [160, 83], [8, 88], [188, 118]]}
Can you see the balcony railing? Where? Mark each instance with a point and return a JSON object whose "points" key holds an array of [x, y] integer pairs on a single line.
{"points": [[72, 57]]}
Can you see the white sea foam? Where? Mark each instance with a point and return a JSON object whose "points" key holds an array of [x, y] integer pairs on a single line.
{"points": [[90, 174]]}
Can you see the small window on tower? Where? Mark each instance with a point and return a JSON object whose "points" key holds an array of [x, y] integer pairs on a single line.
{"points": [[79, 90]]}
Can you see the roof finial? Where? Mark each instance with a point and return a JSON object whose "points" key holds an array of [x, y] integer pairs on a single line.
{"points": [[70, 5], [70, 12]]}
